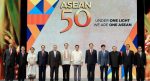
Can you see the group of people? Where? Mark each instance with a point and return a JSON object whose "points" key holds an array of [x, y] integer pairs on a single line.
{"points": [[66, 58]]}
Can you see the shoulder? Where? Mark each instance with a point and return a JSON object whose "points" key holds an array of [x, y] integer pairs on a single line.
{"points": [[107, 51], [87, 50], [95, 50]]}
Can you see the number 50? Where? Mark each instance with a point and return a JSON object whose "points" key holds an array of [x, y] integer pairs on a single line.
{"points": [[76, 19]]}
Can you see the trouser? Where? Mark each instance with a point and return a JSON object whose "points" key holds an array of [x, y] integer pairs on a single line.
{"points": [[21, 72], [102, 70], [126, 70], [77, 68], [66, 72], [115, 73], [54, 69], [42, 73], [91, 71], [9, 73], [140, 73]]}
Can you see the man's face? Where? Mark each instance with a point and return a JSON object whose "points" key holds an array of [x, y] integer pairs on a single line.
{"points": [[139, 49], [22, 48], [114, 48], [43, 48], [91, 46], [66, 46], [103, 48], [54, 47], [77, 48], [32, 50], [127, 47]]}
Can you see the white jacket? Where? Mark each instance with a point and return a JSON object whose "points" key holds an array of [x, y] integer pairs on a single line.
{"points": [[66, 58], [77, 57]]}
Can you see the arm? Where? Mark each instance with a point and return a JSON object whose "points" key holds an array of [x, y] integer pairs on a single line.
{"points": [[38, 58], [60, 59], [4, 57], [99, 58], [49, 58], [145, 59], [132, 57], [72, 57], [46, 58], [120, 59], [95, 56], [108, 58], [86, 57], [81, 57], [18, 58], [135, 58]]}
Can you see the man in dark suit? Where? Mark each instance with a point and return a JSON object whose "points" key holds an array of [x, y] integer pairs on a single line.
{"points": [[91, 60], [103, 61], [22, 62], [140, 63], [115, 61], [9, 60], [128, 61], [54, 62], [42, 62]]}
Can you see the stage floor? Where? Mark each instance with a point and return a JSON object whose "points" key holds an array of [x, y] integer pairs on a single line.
{"points": [[72, 80]]}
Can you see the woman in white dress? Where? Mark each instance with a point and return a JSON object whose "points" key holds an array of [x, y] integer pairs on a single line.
{"points": [[31, 70]]}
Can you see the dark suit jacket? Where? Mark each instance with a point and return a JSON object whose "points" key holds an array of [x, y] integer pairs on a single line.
{"points": [[128, 60], [42, 59], [54, 61], [103, 59], [115, 59], [8, 59], [22, 60], [140, 61], [91, 58]]}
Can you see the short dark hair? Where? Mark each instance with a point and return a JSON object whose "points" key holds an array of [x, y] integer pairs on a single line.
{"points": [[128, 45], [32, 48], [91, 44], [76, 45], [103, 45], [66, 43], [42, 46], [140, 46], [113, 47]]}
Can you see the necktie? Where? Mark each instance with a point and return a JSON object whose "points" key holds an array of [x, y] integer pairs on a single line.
{"points": [[22, 54], [91, 51], [127, 52], [10, 51], [42, 53]]}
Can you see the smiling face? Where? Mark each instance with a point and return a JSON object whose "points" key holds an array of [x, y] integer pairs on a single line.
{"points": [[66, 45], [54, 47], [77, 47], [139, 49], [22, 48], [114, 48], [32, 50], [127, 47], [91, 45], [43, 47]]}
